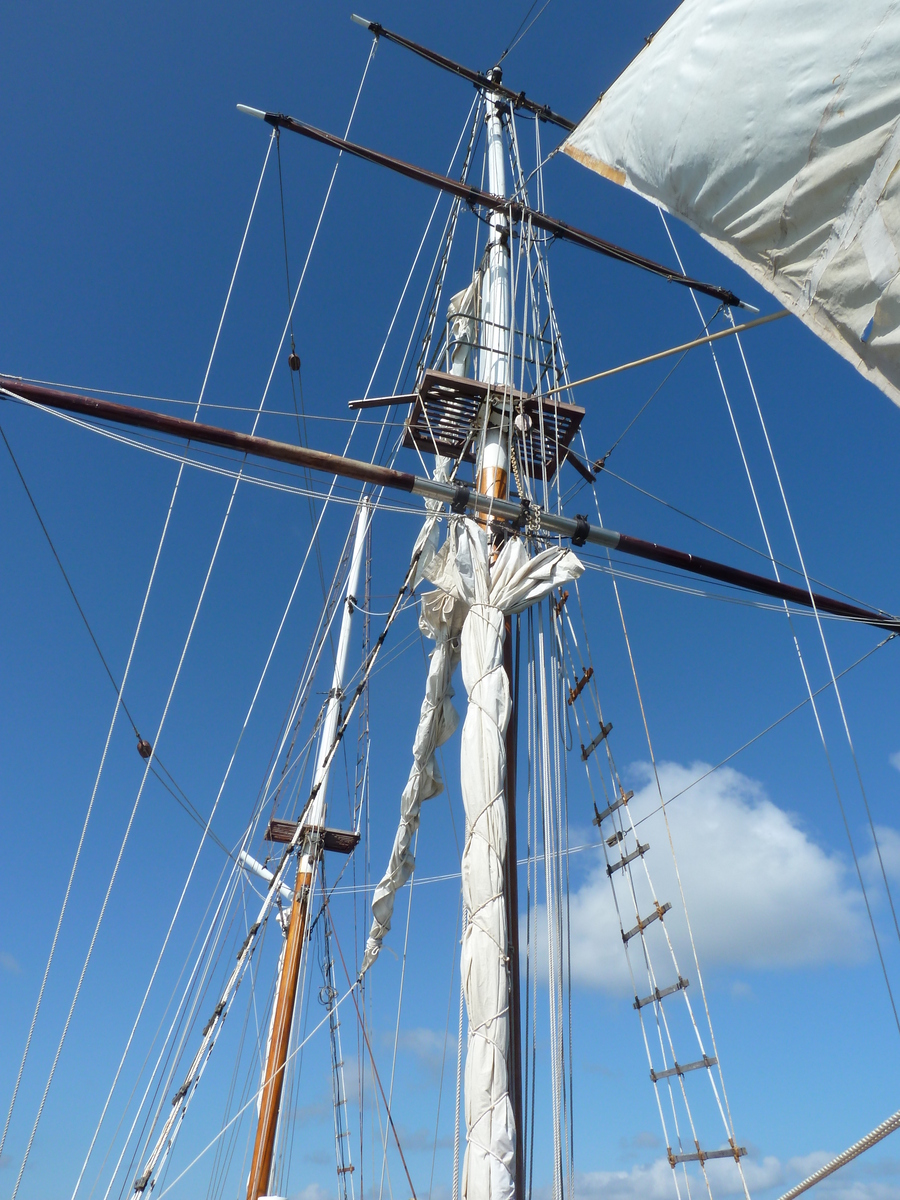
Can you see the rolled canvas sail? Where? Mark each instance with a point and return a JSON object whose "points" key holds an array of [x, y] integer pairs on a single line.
{"points": [[772, 129]]}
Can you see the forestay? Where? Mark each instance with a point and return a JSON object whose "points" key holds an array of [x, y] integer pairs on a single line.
{"points": [[772, 129]]}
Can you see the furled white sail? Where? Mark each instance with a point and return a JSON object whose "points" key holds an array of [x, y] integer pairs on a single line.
{"points": [[441, 619], [490, 592], [774, 130]]}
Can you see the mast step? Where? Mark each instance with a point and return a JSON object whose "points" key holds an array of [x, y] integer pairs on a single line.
{"points": [[681, 1068], [607, 812], [661, 910], [579, 687], [659, 993], [701, 1156], [342, 841], [627, 858], [605, 731]]}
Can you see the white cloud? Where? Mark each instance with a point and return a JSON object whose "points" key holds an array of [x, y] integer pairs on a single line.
{"points": [[759, 892], [889, 845], [8, 963], [895, 760], [314, 1191], [432, 1050], [654, 1181]]}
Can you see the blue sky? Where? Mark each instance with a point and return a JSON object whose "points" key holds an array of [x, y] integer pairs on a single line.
{"points": [[128, 181]]}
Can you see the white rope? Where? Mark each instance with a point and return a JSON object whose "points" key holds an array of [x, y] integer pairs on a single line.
{"points": [[193, 865], [881, 1131], [837, 690], [800, 658], [390, 1099], [118, 700], [209, 1145]]}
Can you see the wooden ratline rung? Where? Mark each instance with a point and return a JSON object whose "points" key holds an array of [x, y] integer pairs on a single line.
{"points": [[700, 1156], [605, 731], [579, 687], [626, 859], [661, 910], [659, 993], [607, 812], [681, 1068]]}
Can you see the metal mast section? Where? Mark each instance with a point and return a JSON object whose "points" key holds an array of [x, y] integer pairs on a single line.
{"points": [[311, 843]]}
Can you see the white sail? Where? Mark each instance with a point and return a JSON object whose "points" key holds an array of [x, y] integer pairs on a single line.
{"points": [[462, 569], [772, 129], [441, 619]]}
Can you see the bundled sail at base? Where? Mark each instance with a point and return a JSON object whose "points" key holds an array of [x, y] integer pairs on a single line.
{"points": [[780, 150]]}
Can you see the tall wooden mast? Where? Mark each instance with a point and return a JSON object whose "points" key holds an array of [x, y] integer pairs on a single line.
{"points": [[310, 847]]}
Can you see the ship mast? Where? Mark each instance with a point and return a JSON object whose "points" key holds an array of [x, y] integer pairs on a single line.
{"points": [[492, 479], [311, 846]]}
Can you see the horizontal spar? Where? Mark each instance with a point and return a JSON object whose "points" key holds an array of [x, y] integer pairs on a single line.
{"points": [[517, 99], [460, 497], [473, 195]]}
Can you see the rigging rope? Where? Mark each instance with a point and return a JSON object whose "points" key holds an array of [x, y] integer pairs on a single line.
{"points": [[800, 658], [112, 726], [837, 690]]}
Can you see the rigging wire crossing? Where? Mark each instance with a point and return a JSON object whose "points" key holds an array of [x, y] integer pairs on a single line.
{"points": [[459, 497]]}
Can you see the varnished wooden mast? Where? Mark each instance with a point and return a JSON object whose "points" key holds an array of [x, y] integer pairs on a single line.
{"points": [[270, 1101]]}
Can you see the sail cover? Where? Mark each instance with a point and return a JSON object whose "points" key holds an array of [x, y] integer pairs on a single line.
{"points": [[772, 129]]}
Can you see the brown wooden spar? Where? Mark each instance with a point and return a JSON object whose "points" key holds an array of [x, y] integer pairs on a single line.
{"points": [[579, 529], [518, 99], [285, 1003], [493, 203]]}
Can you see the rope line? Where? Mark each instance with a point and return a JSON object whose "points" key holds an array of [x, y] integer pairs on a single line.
{"points": [[837, 690]]}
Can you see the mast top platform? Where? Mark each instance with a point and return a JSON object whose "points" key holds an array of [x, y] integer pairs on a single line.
{"points": [[449, 412]]}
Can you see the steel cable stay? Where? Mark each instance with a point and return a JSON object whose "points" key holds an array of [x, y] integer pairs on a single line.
{"points": [[196, 857], [826, 651], [119, 702], [192, 868], [814, 606], [185, 1014], [169, 782], [190, 986], [165, 1140], [268, 661]]}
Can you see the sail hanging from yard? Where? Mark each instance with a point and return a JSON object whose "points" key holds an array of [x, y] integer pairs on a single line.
{"points": [[772, 129]]}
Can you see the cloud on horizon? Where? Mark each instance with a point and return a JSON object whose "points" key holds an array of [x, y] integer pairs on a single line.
{"points": [[654, 1181]]}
